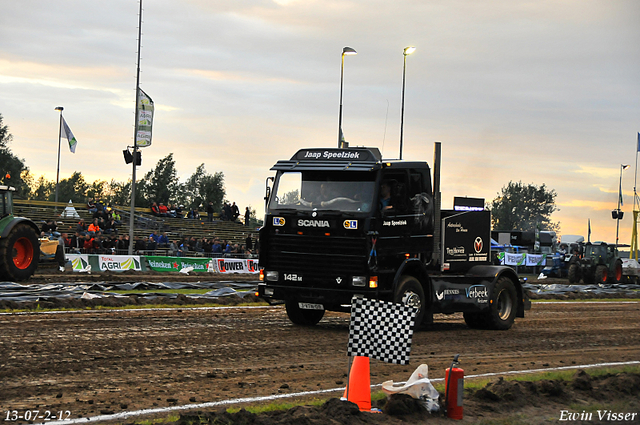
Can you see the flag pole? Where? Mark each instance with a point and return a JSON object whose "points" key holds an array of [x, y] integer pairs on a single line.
{"points": [[135, 139], [636, 208], [58, 108]]}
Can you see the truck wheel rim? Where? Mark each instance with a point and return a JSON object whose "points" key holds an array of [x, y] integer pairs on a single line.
{"points": [[505, 305], [411, 299], [22, 253]]}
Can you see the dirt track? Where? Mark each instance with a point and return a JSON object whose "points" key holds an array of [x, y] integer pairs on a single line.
{"points": [[101, 362]]}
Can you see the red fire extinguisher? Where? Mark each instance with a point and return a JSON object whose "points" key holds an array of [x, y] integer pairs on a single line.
{"points": [[454, 386]]}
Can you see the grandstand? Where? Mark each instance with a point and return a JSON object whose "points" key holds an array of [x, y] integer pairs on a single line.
{"points": [[145, 223]]}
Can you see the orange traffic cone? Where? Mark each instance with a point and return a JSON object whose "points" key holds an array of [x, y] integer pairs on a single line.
{"points": [[358, 389]]}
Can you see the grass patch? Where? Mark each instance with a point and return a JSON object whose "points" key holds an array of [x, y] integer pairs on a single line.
{"points": [[475, 384]]}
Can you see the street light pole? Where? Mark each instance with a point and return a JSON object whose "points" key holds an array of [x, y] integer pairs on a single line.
{"points": [[618, 212], [345, 51], [407, 52], [58, 108]]}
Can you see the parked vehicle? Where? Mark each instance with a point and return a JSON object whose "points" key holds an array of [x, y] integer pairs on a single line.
{"points": [[19, 245], [600, 263]]}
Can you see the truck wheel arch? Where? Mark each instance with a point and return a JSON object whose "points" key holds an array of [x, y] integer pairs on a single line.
{"points": [[415, 268]]}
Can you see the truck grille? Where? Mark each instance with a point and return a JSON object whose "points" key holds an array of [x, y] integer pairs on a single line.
{"points": [[318, 255]]}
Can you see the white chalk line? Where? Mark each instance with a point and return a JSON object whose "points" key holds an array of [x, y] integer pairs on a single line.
{"points": [[125, 415]]}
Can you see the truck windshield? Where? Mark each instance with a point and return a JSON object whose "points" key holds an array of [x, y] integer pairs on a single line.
{"points": [[307, 190]]}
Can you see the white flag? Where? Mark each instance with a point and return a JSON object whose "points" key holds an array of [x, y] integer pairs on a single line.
{"points": [[65, 132]]}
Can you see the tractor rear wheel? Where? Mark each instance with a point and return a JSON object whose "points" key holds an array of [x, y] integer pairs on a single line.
{"points": [[601, 274], [617, 271], [19, 253], [574, 273]]}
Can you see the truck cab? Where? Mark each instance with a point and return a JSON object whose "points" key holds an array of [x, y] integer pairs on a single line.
{"points": [[344, 222]]}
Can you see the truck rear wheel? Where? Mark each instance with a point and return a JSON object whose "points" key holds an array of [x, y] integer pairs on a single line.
{"points": [[503, 306], [574, 273], [601, 274], [300, 316], [410, 293], [19, 253]]}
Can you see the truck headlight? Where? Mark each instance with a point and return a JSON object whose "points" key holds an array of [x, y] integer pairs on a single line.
{"points": [[271, 276], [359, 281]]}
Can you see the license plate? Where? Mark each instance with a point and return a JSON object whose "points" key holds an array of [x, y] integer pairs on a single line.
{"points": [[310, 306]]}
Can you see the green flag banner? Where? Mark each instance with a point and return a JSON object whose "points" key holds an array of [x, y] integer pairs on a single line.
{"points": [[175, 264], [145, 120]]}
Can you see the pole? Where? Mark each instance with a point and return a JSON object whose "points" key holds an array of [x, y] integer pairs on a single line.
{"points": [[619, 198], [404, 68], [340, 117], [59, 108], [135, 141]]}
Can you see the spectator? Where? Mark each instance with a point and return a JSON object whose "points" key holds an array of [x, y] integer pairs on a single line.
{"points": [[172, 211], [216, 248], [91, 206], [226, 209], [77, 242], [81, 227], [49, 227], [194, 214], [235, 212], [116, 217], [184, 248], [93, 228], [59, 256], [210, 212], [163, 240], [174, 249], [249, 242], [247, 216], [179, 211], [163, 211], [88, 244], [155, 236], [152, 245], [139, 245], [155, 211]]}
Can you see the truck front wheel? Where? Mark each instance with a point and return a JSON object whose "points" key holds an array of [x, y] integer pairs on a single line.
{"points": [[19, 253], [503, 306], [410, 293], [300, 316]]}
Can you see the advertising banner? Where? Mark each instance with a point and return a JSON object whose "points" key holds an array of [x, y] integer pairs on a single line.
{"points": [[79, 262], [119, 262], [466, 238], [536, 260], [513, 259], [175, 264], [145, 120], [236, 265]]}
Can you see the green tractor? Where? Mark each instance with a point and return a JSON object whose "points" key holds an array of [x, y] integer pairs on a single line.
{"points": [[19, 244], [599, 263]]}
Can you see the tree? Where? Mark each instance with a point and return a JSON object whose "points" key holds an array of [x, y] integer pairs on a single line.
{"points": [[524, 207], [12, 168], [203, 187], [74, 188], [161, 183]]}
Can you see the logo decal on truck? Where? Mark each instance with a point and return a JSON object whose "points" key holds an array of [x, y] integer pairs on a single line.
{"points": [[478, 292], [278, 221], [313, 223], [478, 244], [350, 224]]}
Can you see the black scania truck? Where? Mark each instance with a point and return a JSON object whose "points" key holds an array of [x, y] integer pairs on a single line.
{"points": [[341, 222]]}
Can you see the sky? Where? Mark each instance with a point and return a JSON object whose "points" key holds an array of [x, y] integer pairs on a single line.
{"points": [[542, 92]]}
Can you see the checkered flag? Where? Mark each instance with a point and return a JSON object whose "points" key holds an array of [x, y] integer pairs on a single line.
{"points": [[381, 330]]}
